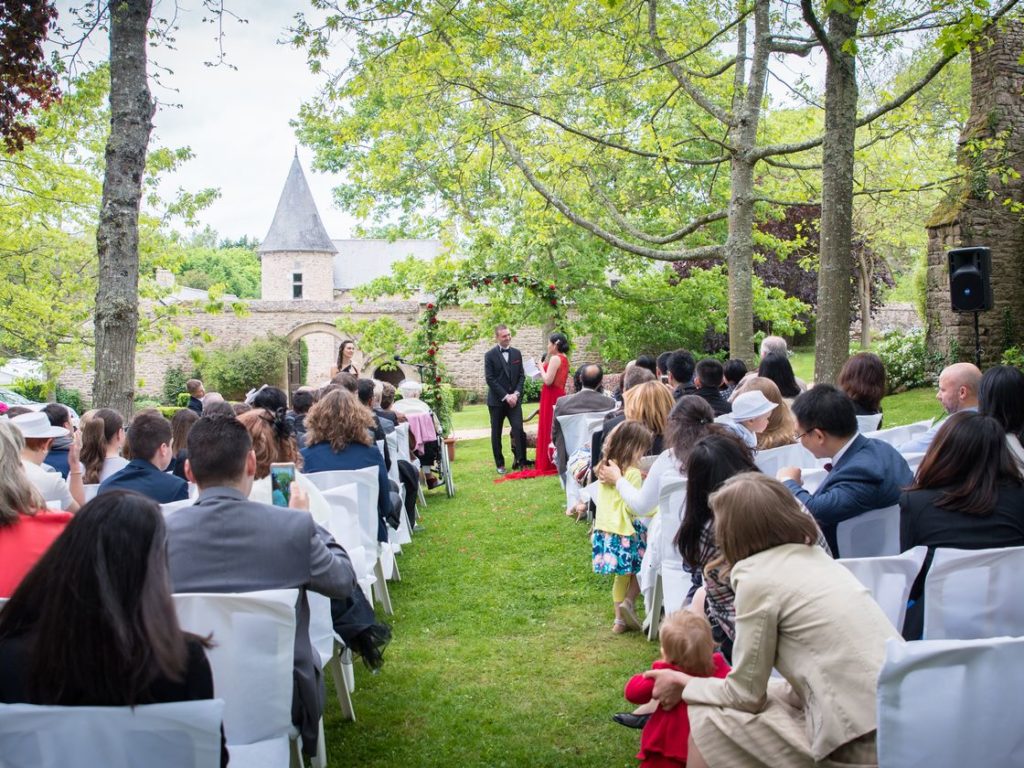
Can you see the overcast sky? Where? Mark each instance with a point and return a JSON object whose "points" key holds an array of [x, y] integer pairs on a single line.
{"points": [[236, 120]]}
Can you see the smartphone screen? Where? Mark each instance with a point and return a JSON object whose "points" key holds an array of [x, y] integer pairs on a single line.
{"points": [[281, 478]]}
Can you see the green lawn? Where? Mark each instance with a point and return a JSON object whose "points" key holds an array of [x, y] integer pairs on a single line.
{"points": [[503, 653]]}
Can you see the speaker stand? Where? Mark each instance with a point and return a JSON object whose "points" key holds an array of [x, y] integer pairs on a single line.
{"points": [[977, 342]]}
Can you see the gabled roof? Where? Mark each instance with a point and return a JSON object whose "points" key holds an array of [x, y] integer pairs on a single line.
{"points": [[297, 225], [359, 261]]}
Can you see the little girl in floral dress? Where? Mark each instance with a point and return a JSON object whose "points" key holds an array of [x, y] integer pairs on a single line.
{"points": [[619, 538]]}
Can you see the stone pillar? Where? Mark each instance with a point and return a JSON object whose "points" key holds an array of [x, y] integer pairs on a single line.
{"points": [[969, 218]]}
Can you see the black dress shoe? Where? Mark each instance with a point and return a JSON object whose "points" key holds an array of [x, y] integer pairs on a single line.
{"points": [[630, 720], [502, 470]]}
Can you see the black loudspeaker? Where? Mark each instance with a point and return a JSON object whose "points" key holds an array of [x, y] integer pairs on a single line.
{"points": [[970, 279]]}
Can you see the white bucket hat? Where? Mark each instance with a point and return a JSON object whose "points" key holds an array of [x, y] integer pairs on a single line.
{"points": [[750, 405], [36, 424]]}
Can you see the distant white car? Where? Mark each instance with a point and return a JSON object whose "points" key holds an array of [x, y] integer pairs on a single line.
{"points": [[12, 398]]}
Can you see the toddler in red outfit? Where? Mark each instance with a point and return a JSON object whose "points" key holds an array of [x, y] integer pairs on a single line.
{"points": [[686, 646]]}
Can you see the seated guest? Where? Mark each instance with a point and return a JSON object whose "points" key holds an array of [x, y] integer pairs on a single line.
{"points": [[237, 409], [181, 424], [27, 527], [781, 429], [219, 408], [1001, 396], [777, 368], [196, 393], [968, 494], [749, 417], [648, 362], [680, 373], [150, 439], [707, 379], [649, 403], [863, 474], [211, 398], [354, 619], [631, 377], [226, 543], [661, 367], [39, 434], [338, 437], [103, 436], [387, 401], [57, 456], [586, 399], [958, 391], [302, 400], [863, 380], [801, 613], [93, 623], [733, 372]]}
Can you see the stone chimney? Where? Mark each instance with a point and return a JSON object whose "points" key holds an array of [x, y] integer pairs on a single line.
{"points": [[969, 218]]}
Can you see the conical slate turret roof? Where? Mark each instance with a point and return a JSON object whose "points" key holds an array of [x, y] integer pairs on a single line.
{"points": [[297, 225]]}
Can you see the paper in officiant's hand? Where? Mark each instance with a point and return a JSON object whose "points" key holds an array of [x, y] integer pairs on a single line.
{"points": [[530, 369]]}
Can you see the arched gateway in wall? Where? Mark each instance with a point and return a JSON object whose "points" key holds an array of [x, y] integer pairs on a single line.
{"points": [[369, 367]]}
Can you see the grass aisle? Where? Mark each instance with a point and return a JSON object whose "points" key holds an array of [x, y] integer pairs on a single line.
{"points": [[503, 653]]}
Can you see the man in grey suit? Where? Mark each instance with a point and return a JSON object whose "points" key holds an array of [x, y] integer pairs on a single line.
{"points": [[226, 543], [587, 400]]}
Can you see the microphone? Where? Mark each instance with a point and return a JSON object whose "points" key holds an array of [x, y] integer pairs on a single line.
{"points": [[400, 359]]}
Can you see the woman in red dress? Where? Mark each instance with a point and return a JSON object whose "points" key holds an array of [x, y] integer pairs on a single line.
{"points": [[556, 371]]}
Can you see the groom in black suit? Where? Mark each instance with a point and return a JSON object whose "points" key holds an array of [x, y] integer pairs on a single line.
{"points": [[503, 371]]}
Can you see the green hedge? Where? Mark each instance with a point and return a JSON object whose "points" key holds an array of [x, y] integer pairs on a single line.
{"points": [[233, 372]]}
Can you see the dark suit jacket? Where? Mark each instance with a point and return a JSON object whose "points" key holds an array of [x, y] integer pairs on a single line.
{"points": [[195, 404], [714, 398], [871, 474], [226, 543], [584, 401], [145, 478], [503, 379]]}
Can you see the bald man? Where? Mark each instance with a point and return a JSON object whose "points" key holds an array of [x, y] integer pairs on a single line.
{"points": [[958, 391]]}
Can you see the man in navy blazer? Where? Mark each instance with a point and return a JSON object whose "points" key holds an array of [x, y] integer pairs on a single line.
{"points": [[864, 474], [149, 438], [503, 372]]}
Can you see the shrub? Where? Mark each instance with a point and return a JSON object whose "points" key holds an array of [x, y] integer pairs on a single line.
{"points": [[233, 372], [1013, 356], [181, 401], [908, 362], [174, 383], [531, 390], [37, 390], [461, 397]]}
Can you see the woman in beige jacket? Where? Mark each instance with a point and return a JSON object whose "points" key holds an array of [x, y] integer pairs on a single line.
{"points": [[799, 611]]}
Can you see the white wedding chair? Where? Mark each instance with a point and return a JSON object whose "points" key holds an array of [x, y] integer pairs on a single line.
{"points": [[771, 460], [252, 661], [974, 594], [944, 703], [889, 579], [381, 552], [897, 436], [871, 534], [672, 582], [333, 656], [577, 431], [914, 460], [869, 423], [173, 506], [90, 491], [343, 523], [180, 734]]}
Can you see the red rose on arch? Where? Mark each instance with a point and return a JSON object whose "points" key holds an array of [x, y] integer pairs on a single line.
{"points": [[433, 321], [431, 352], [487, 281], [430, 306], [554, 302], [437, 380], [552, 286]]}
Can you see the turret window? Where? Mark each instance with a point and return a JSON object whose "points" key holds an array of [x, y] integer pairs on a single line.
{"points": [[296, 285]]}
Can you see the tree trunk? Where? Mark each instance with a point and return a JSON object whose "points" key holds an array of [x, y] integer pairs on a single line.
{"points": [[739, 254], [117, 237], [832, 342], [864, 285]]}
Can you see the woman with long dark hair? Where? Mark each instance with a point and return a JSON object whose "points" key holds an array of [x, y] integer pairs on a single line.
{"points": [[555, 371], [777, 368], [93, 623], [181, 424], [1001, 396], [968, 494]]}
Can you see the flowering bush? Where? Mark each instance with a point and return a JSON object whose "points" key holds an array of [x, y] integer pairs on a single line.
{"points": [[908, 362]]}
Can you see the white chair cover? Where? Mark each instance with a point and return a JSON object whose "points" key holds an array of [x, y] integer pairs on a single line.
{"points": [[889, 579], [770, 461], [812, 478], [173, 506], [402, 436], [181, 734], [896, 436], [252, 661], [344, 524], [90, 491], [577, 430], [410, 405], [869, 423], [951, 703], [974, 594], [671, 581], [914, 460], [871, 534]]}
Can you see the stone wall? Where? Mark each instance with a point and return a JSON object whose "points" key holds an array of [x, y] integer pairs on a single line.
{"points": [[285, 318], [899, 316], [317, 270], [970, 218]]}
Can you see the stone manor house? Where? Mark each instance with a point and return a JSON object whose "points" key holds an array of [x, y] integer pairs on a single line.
{"points": [[307, 282]]}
